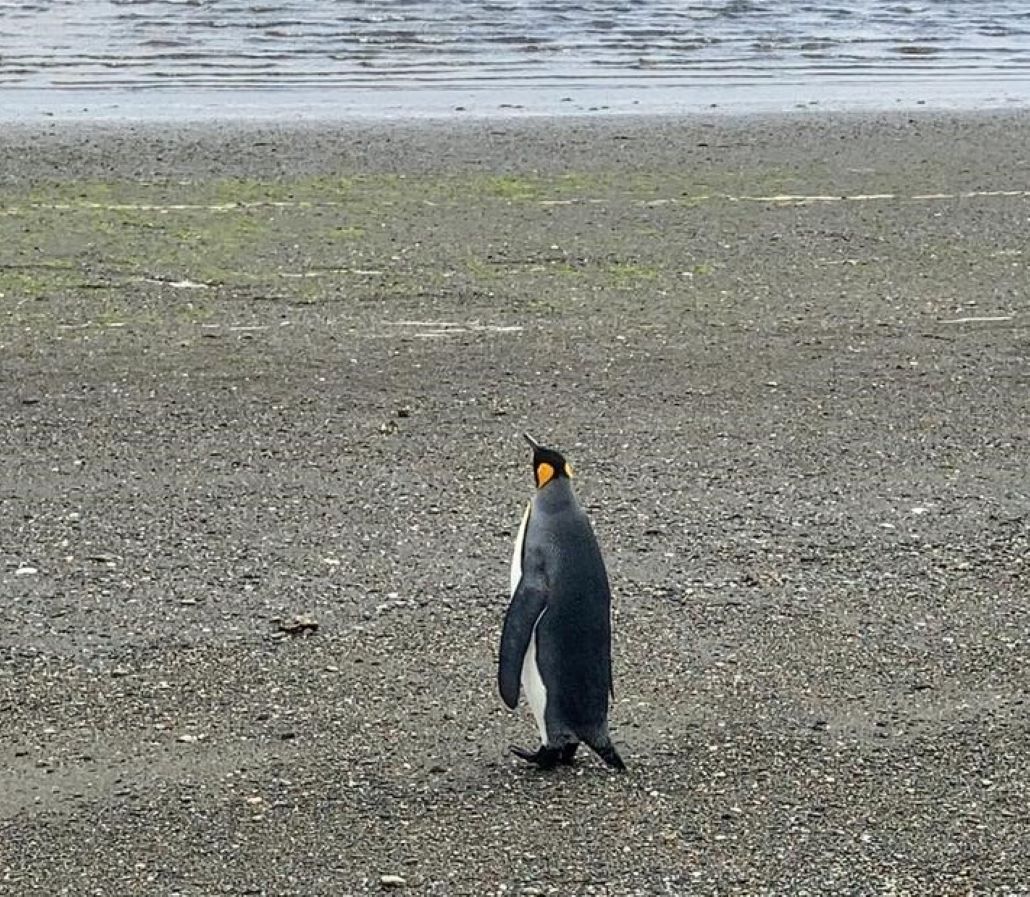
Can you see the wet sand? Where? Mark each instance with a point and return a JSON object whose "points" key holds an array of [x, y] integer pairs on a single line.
{"points": [[254, 373]]}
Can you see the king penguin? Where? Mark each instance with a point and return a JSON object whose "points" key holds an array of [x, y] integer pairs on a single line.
{"points": [[556, 640]]}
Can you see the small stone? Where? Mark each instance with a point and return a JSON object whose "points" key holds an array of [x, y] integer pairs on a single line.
{"points": [[299, 624], [26, 571], [118, 672], [187, 739], [392, 881]]}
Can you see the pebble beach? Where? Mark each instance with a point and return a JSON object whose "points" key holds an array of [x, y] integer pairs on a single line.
{"points": [[260, 473]]}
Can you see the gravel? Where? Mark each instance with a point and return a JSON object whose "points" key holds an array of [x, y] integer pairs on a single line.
{"points": [[260, 473]]}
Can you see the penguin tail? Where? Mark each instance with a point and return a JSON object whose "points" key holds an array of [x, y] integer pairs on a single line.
{"points": [[602, 745]]}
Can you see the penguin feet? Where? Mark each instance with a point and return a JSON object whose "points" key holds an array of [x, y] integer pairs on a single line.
{"points": [[543, 758], [548, 757]]}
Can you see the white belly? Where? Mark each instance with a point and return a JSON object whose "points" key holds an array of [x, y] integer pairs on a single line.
{"points": [[533, 685]]}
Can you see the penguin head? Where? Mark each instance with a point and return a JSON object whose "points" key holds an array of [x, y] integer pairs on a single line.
{"points": [[548, 464]]}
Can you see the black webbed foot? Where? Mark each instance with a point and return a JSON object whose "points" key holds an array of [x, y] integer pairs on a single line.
{"points": [[543, 757], [568, 754]]}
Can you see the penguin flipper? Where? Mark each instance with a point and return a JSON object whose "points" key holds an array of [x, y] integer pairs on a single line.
{"points": [[527, 604]]}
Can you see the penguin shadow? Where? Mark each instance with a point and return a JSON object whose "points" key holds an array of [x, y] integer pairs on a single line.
{"points": [[584, 764], [581, 770], [649, 777]]}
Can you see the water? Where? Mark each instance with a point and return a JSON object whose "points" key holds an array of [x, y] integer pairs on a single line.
{"points": [[156, 59]]}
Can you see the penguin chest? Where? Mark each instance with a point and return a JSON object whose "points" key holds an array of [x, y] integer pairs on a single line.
{"points": [[516, 557]]}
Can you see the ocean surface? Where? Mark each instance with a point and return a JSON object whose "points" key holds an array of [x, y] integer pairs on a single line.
{"points": [[200, 59]]}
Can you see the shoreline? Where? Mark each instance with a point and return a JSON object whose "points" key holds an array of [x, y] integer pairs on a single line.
{"points": [[732, 96]]}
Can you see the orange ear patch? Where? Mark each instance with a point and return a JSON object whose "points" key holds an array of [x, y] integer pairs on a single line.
{"points": [[544, 474]]}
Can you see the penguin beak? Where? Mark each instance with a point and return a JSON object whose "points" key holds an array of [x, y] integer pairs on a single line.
{"points": [[533, 444]]}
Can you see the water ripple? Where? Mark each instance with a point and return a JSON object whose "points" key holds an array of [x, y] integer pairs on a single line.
{"points": [[151, 43], [211, 58]]}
